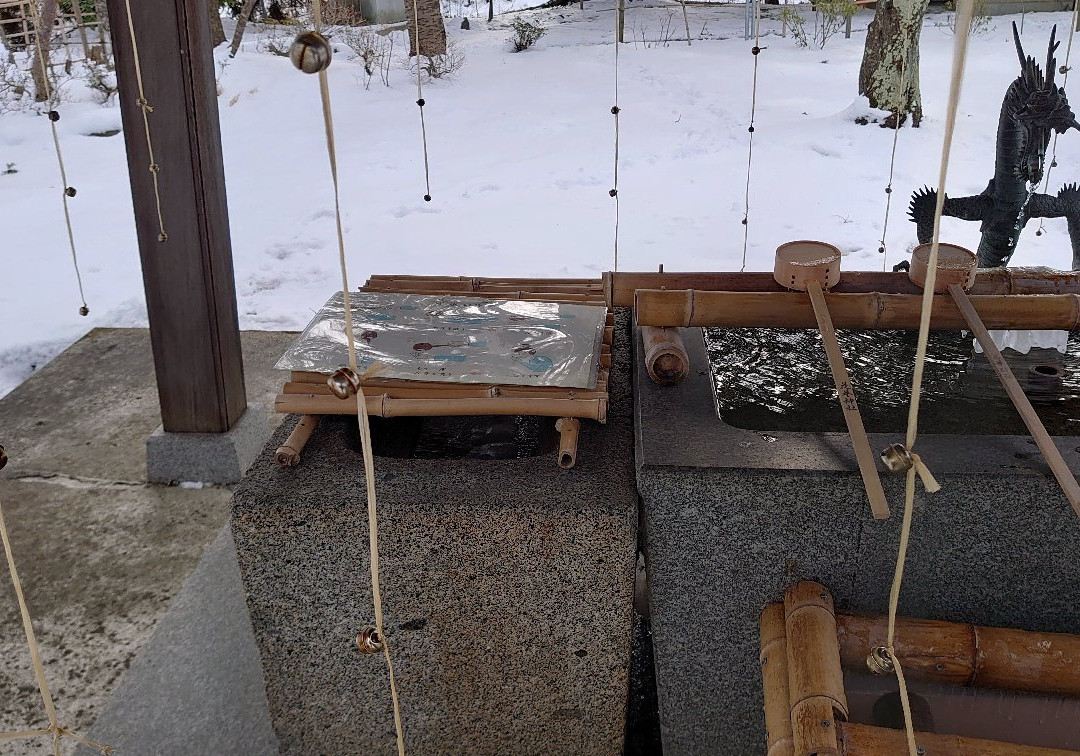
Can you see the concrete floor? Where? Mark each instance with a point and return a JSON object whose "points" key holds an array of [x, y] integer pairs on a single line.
{"points": [[133, 588]]}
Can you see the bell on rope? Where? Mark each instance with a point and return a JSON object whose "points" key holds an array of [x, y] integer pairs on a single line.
{"points": [[879, 661], [369, 642], [84, 311], [311, 52], [344, 383]]}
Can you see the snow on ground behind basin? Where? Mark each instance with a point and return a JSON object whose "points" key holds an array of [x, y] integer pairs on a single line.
{"points": [[521, 156]]}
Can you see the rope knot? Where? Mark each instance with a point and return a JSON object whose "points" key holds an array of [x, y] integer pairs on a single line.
{"points": [[898, 459], [145, 105]]}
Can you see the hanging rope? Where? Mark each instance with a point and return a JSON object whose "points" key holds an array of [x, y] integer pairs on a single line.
{"points": [[882, 250], [54, 729], [420, 102], [963, 22], [1064, 70], [756, 50], [361, 406], [146, 109], [54, 116], [614, 191]]}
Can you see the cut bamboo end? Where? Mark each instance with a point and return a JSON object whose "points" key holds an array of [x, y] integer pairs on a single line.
{"points": [[964, 654], [798, 263], [288, 454], [569, 428], [666, 358], [774, 681], [813, 652], [955, 265]]}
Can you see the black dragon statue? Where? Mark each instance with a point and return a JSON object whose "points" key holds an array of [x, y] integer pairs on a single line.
{"points": [[1033, 108]]}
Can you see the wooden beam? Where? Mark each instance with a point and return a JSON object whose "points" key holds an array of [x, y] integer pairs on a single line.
{"points": [[190, 289]]}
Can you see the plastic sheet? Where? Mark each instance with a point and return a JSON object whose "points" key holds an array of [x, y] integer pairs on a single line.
{"points": [[456, 339]]}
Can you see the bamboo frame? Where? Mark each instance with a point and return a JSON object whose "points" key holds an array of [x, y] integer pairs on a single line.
{"points": [[619, 288], [810, 693], [666, 359], [687, 307], [288, 454], [383, 405], [569, 428]]}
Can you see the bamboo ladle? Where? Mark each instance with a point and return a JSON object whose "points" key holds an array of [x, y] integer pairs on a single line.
{"points": [[812, 266], [955, 274]]}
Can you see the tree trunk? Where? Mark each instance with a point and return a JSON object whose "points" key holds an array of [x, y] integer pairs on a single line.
{"points": [[39, 68], [889, 76], [217, 32], [241, 24], [491, 9], [432, 32]]}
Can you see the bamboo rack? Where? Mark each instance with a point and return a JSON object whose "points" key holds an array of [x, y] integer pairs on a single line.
{"points": [[619, 288], [307, 393], [727, 309], [805, 645]]}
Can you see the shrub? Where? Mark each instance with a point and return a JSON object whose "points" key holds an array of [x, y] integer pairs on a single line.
{"points": [[525, 34]]}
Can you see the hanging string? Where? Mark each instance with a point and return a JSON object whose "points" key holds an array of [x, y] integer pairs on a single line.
{"points": [[420, 102], [892, 159], [1064, 70], [756, 50], [54, 116], [614, 191], [963, 22], [362, 419], [146, 109], [54, 729]]}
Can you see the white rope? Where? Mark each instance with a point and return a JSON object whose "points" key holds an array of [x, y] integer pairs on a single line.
{"points": [[54, 116], [361, 414], [964, 10], [1064, 80], [615, 110], [892, 159], [750, 146], [420, 103]]}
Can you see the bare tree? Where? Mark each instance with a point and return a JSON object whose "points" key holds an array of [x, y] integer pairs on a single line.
{"points": [[889, 76], [217, 32], [241, 24], [43, 35], [432, 33]]}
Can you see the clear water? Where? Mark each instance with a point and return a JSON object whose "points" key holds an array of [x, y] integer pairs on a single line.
{"points": [[774, 379]]}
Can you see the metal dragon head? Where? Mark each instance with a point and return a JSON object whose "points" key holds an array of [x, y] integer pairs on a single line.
{"points": [[1039, 108]]}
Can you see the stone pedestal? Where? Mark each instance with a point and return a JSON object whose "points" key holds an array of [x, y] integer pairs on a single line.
{"points": [[216, 458], [731, 517], [507, 588]]}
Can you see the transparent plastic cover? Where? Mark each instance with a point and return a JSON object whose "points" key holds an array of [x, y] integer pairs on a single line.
{"points": [[456, 339]]}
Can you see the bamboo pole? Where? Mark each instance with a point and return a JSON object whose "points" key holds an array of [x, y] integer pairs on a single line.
{"points": [[963, 654], [569, 428], [288, 454], [846, 395], [815, 677], [386, 406], [304, 382], [619, 288], [725, 309], [666, 359], [774, 682], [1034, 425], [866, 740]]}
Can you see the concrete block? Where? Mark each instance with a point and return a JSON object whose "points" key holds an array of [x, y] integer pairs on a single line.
{"points": [[219, 458], [507, 586], [731, 517]]}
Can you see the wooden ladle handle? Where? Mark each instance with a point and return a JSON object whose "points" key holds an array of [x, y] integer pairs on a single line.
{"points": [[861, 444]]}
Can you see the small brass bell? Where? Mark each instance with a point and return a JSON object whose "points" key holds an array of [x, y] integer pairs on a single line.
{"points": [[879, 661], [369, 642], [343, 383], [84, 311], [311, 52], [896, 458]]}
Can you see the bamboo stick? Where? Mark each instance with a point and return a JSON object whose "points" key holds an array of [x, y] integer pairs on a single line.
{"points": [[774, 682], [583, 298], [301, 378], [866, 740], [1034, 425], [666, 359], [619, 287], [815, 677], [964, 654], [595, 282], [386, 406], [873, 311], [288, 454], [569, 428], [456, 391]]}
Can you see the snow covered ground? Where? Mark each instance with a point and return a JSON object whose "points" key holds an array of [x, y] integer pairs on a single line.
{"points": [[521, 151]]}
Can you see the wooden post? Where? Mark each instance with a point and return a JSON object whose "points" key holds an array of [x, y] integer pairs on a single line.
{"points": [[190, 291]]}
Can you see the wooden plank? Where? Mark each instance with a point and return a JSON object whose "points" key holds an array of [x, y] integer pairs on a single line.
{"points": [[729, 309], [1034, 425], [189, 282]]}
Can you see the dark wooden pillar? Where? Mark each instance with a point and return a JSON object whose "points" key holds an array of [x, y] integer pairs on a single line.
{"points": [[190, 289]]}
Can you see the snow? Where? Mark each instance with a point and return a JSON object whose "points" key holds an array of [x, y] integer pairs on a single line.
{"points": [[521, 149]]}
